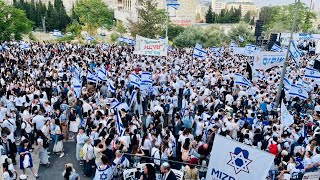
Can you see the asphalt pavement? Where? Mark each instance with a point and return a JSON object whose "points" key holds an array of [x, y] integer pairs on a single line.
{"points": [[57, 165]]}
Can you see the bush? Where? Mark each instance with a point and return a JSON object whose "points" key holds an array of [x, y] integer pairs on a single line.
{"points": [[32, 37], [189, 37], [215, 36], [75, 28], [242, 29], [114, 37], [66, 38]]}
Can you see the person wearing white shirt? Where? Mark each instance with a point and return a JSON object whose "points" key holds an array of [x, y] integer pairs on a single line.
{"points": [[39, 120]]}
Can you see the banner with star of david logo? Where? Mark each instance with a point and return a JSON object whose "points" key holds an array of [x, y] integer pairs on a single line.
{"points": [[233, 160]]}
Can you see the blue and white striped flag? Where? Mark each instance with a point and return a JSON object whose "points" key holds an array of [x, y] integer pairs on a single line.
{"points": [[286, 83], [301, 83], [120, 127], [295, 52], [132, 97], [89, 38], [112, 89], [241, 39], [250, 49], [286, 117], [298, 92], [135, 79], [102, 74], [241, 80], [312, 73], [198, 52], [276, 48], [77, 86], [131, 42], [114, 103], [173, 3], [105, 47], [91, 76], [233, 44], [121, 39], [146, 77]]}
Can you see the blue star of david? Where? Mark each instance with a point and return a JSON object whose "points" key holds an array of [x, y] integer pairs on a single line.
{"points": [[103, 176], [300, 91], [312, 72], [239, 162]]}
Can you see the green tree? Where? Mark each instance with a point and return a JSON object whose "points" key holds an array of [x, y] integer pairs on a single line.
{"points": [[14, 22], [94, 14], [247, 17], [242, 29], [173, 31], [120, 28], [151, 21], [215, 36], [75, 28], [190, 36], [209, 15]]}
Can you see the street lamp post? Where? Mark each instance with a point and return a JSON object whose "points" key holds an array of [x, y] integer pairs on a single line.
{"points": [[284, 68]]}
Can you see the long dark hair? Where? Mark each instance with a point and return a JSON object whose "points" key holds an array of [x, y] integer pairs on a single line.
{"points": [[151, 172], [6, 167], [68, 172], [144, 138]]}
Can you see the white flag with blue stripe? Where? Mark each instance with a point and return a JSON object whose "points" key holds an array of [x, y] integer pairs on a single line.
{"points": [[286, 117], [77, 86], [120, 127], [312, 73], [276, 48], [91, 76], [112, 89], [241, 80], [295, 52], [102, 74], [132, 97], [286, 83], [173, 3], [105, 47], [249, 49], [198, 52], [121, 39], [135, 79], [297, 91], [146, 77]]}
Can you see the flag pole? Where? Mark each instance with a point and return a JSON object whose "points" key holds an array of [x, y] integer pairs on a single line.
{"points": [[284, 68], [167, 18]]}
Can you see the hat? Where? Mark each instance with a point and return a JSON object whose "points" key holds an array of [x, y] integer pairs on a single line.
{"points": [[23, 177]]}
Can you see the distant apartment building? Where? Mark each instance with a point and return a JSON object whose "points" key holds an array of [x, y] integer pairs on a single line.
{"points": [[202, 10], [245, 6], [218, 6], [184, 16]]}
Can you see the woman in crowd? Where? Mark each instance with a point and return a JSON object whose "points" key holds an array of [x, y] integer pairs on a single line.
{"points": [[70, 173], [149, 173], [25, 157]]}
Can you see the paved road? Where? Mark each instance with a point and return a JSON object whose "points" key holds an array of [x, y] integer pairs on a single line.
{"points": [[54, 172]]}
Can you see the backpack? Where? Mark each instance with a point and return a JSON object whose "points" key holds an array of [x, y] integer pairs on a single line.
{"points": [[265, 144], [185, 155], [166, 108], [45, 143]]}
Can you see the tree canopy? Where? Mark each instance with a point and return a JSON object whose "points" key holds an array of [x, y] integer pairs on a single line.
{"points": [[13, 22], [94, 14], [151, 21]]}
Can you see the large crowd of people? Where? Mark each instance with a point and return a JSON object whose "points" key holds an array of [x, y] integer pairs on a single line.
{"points": [[190, 101]]}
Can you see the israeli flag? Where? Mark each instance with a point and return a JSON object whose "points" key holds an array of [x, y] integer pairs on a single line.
{"points": [[297, 91], [91, 76], [173, 3], [77, 73], [276, 48], [160, 37], [295, 52], [198, 52], [119, 124], [24, 46], [135, 80], [146, 77], [249, 49], [131, 42], [312, 73], [241, 39], [132, 97], [286, 84], [114, 103], [102, 74], [112, 89], [286, 117], [121, 39], [77, 86], [170, 48], [241, 80], [301, 83]]}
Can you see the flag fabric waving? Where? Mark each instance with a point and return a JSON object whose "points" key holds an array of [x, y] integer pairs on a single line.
{"points": [[241, 80], [241, 39], [295, 52], [286, 117], [91, 76], [198, 52], [276, 48], [173, 3], [312, 73], [298, 92]]}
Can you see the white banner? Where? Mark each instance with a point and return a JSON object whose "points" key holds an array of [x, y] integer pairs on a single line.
{"points": [[267, 60], [311, 176], [151, 47], [238, 50], [233, 160], [318, 47]]}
